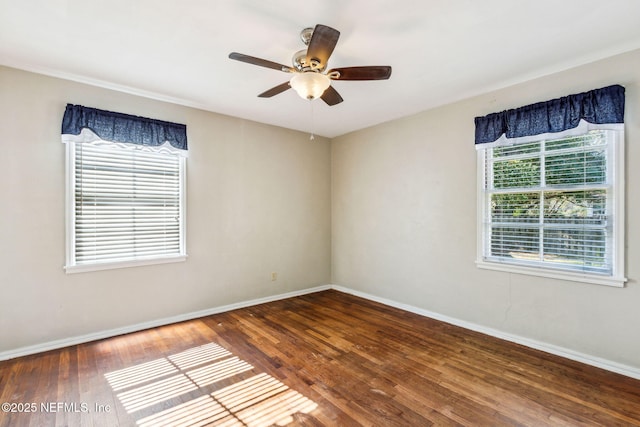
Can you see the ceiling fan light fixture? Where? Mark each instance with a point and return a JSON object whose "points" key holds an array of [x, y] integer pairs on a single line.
{"points": [[310, 85]]}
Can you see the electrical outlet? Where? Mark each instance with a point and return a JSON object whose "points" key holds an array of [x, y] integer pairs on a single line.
{"points": [[274, 276]]}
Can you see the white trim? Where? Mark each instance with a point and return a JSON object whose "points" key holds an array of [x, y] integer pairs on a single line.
{"points": [[85, 268], [594, 279], [70, 266], [183, 206], [104, 84], [81, 339], [609, 365], [620, 170], [616, 176], [69, 214], [598, 362]]}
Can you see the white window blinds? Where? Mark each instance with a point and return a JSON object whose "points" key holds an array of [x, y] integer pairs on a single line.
{"points": [[127, 204]]}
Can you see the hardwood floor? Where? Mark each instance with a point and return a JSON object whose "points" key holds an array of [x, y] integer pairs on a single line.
{"points": [[324, 359]]}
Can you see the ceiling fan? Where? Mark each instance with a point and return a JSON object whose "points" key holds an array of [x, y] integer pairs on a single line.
{"points": [[310, 80]]}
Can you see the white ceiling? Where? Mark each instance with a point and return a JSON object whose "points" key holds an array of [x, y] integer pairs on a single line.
{"points": [[440, 50]]}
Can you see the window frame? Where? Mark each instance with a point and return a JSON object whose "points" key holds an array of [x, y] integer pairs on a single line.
{"points": [[617, 279], [70, 263]]}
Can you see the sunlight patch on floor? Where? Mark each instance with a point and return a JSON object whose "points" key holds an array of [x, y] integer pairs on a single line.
{"points": [[218, 371], [245, 393], [166, 384], [139, 374], [194, 413], [263, 401], [199, 355], [156, 392]]}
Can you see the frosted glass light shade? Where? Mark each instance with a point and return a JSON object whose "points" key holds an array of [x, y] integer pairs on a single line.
{"points": [[310, 85]]}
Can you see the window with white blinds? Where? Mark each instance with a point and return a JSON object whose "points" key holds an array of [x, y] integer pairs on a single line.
{"points": [[553, 204], [126, 205]]}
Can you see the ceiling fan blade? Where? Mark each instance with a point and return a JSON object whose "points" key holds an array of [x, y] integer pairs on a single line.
{"points": [[331, 96], [261, 62], [361, 73], [323, 41], [275, 90]]}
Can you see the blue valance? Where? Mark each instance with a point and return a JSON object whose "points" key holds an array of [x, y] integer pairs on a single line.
{"points": [[599, 106], [119, 127]]}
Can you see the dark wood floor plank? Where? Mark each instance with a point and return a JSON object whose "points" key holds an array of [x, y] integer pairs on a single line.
{"points": [[324, 359]]}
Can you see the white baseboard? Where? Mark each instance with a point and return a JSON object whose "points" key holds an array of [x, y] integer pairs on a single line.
{"points": [[598, 362], [66, 342], [587, 359]]}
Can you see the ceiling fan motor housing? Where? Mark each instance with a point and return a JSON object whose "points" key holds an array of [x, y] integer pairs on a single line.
{"points": [[299, 61]]}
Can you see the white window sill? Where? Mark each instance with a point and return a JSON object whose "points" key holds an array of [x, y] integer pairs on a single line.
{"points": [[554, 274], [83, 268]]}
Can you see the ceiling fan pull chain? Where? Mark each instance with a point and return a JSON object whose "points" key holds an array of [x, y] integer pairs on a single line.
{"points": [[312, 137]]}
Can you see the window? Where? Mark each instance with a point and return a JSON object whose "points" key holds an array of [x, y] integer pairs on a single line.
{"points": [[553, 205], [125, 204]]}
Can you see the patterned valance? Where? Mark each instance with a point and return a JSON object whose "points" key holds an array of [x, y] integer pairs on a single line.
{"points": [[598, 107], [123, 128]]}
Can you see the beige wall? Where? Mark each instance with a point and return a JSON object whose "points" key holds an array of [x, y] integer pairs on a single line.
{"points": [[404, 223], [258, 201], [389, 211]]}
